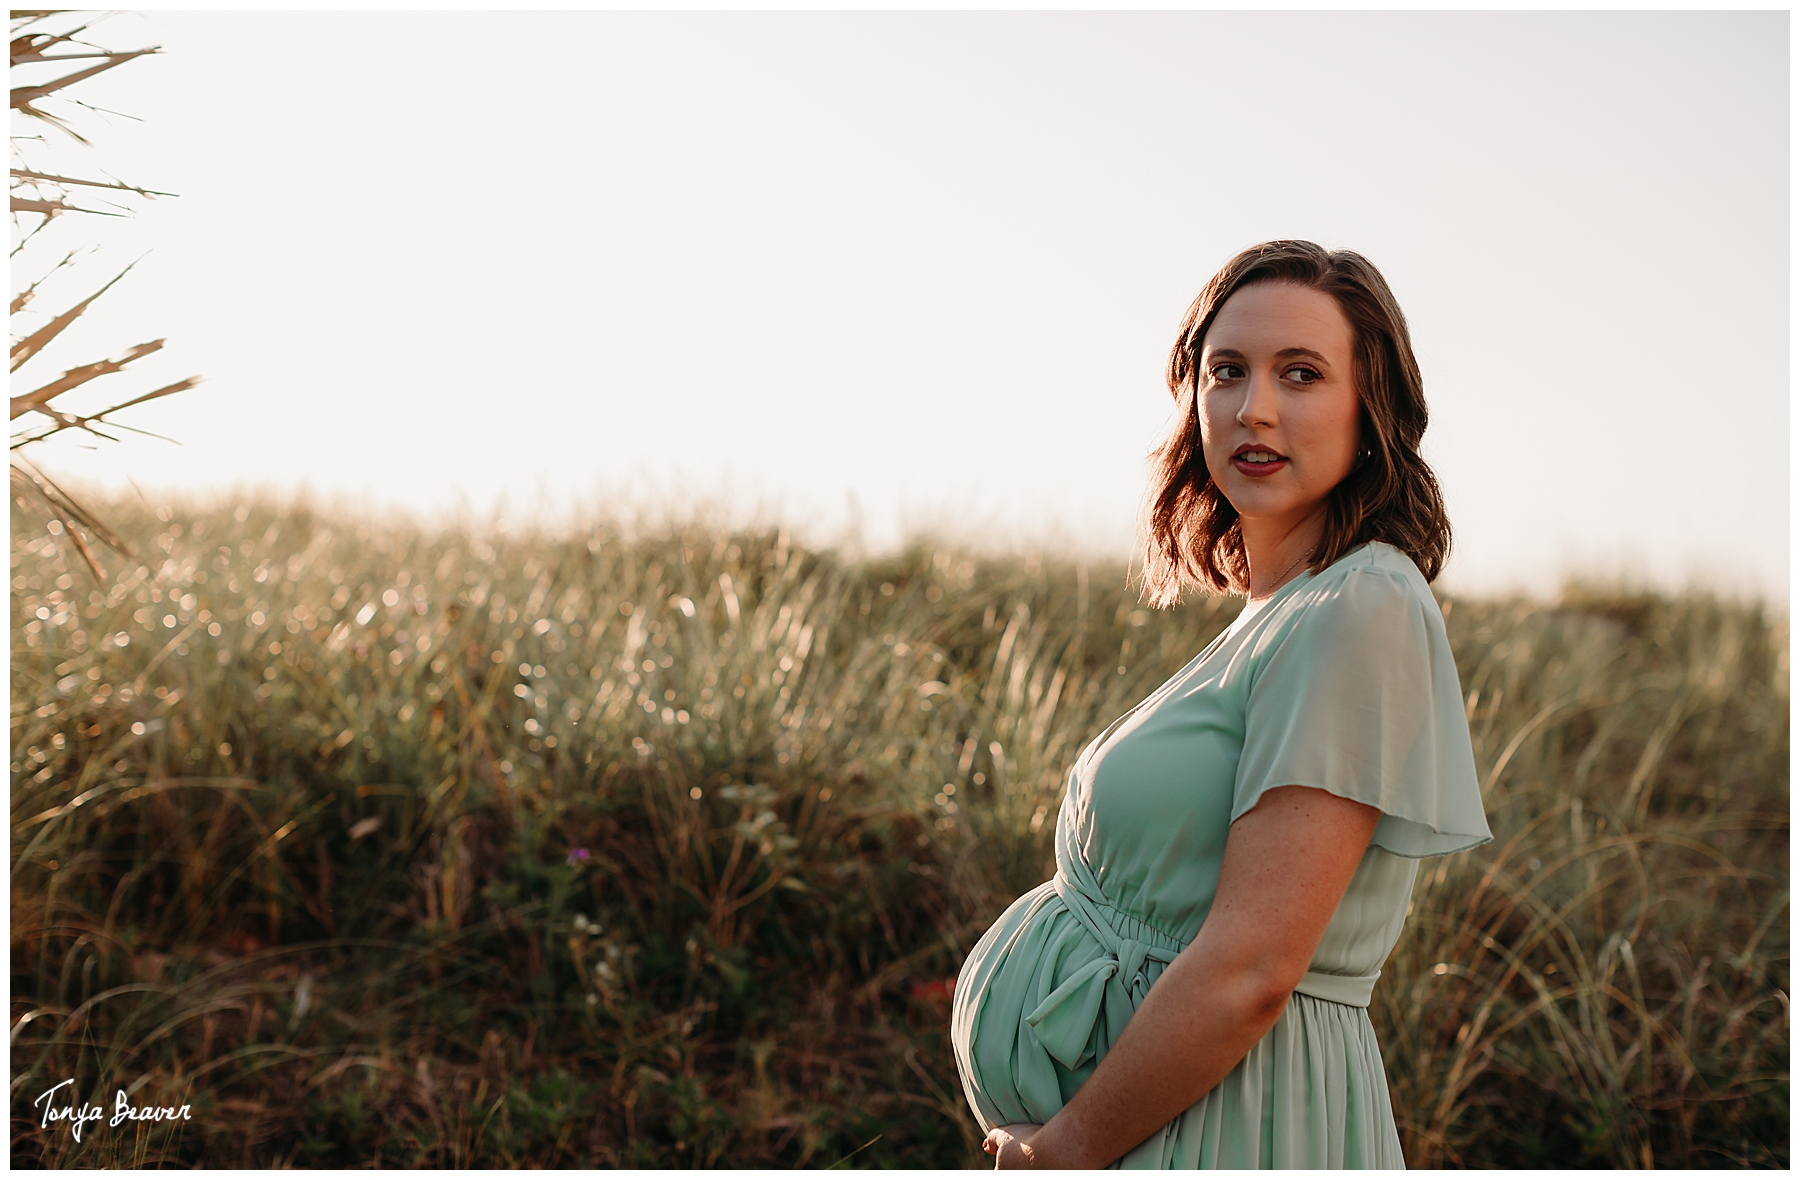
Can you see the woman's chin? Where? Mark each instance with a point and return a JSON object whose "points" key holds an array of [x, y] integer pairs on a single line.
{"points": [[1260, 503]]}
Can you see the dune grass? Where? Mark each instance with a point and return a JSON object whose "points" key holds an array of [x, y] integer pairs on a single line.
{"points": [[660, 847]]}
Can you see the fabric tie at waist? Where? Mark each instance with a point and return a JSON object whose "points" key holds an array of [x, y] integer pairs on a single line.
{"points": [[1353, 990], [1118, 980]]}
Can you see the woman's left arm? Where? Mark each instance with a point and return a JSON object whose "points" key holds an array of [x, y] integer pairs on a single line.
{"points": [[1287, 863]]}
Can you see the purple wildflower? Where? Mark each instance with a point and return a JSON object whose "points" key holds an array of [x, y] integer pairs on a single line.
{"points": [[578, 856]]}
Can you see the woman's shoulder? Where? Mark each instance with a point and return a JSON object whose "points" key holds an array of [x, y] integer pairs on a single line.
{"points": [[1374, 578], [1370, 598], [1380, 561], [1359, 695]]}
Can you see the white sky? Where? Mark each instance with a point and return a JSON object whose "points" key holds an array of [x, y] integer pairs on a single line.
{"points": [[924, 269]]}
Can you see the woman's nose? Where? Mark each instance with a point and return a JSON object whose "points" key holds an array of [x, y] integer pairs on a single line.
{"points": [[1258, 406]]}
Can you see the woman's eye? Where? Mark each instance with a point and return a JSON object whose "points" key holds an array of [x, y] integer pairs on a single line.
{"points": [[1303, 375], [1226, 371]]}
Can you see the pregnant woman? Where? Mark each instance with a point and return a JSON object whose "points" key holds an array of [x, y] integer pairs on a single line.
{"points": [[1234, 857]]}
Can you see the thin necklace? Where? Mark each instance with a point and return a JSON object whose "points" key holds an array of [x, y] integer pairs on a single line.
{"points": [[1282, 576]]}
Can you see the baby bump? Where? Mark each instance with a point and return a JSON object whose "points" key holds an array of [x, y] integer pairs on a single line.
{"points": [[1040, 999]]}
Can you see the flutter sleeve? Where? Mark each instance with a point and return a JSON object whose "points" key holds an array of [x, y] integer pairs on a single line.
{"points": [[1359, 696]]}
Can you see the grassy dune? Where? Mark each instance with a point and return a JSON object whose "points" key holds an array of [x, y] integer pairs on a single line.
{"points": [[452, 849]]}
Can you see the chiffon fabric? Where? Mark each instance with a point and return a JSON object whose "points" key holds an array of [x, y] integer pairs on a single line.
{"points": [[1341, 680]]}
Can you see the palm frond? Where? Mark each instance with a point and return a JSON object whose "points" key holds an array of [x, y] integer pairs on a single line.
{"points": [[45, 193]]}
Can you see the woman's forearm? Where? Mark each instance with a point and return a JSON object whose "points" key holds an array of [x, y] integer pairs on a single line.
{"points": [[1198, 1021]]}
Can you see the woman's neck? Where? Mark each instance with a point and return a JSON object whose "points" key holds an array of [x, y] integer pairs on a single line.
{"points": [[1278, 553]]}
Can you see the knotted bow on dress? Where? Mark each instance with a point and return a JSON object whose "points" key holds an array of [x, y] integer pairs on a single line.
{"points": [[1114, 983]]}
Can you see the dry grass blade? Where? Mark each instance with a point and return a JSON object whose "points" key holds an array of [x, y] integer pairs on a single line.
{"points": [[30, 52], [31, 345], [180, 386], [88, 423], [24, 297], [51, 208], [24, 96], [30, 47], [28, 174], [27, 238], [38, 399]]}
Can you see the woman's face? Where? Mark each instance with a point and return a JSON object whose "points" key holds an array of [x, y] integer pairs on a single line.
{"points": [[1279, 414]]}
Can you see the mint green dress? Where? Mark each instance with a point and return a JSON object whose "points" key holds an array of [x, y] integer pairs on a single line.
{"points": [[1341, 680]]}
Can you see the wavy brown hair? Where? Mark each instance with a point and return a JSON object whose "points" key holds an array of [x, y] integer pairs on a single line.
{"points": [[1190, 530]]}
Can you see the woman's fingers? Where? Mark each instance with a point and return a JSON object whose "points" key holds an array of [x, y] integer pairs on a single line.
{"points": [[1003, 1143]]}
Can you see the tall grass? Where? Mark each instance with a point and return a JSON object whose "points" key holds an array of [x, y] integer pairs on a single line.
{"points": [[658, 847], [1606, 984]]}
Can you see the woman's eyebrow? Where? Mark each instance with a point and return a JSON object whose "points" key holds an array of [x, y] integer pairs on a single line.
{"points": [[1281, 354]]}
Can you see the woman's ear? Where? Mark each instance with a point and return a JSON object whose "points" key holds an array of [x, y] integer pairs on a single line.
{"points": [[1365, 439]]}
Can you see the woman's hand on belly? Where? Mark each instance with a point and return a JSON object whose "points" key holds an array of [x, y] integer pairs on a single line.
{"points": [[1011, 1145], [1287, 863]]}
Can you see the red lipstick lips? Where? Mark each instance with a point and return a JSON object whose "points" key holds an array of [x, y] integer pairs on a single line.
{"points": [[1255, 460]]}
